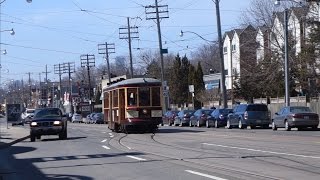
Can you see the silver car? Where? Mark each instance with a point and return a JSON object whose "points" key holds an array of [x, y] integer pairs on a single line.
{"points": [[295, 117]]}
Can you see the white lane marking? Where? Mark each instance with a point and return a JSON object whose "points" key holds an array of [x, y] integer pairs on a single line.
{"points": [[106, 147], [104, 132], [110, 134], [104, 140], [136, 158], [205, 175], [263, 151]]}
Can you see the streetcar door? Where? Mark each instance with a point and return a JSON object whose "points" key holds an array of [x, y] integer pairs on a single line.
{"points": [[122, 105]]}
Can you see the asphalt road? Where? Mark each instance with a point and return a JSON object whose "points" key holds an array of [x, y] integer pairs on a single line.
{"points": [[94, 152]]}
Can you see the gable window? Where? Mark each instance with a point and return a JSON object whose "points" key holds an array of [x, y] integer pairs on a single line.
{"points": [[225, 49], [233, 47]]}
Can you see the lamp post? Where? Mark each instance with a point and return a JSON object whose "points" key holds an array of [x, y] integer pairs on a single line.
{"points": [[182, 33]]}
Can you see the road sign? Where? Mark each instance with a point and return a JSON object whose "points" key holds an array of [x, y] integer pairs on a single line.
{"points": [[191, 88], [165, 93]]}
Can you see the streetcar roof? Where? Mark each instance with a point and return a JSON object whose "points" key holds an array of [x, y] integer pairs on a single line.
{"points": [[134, 81]]}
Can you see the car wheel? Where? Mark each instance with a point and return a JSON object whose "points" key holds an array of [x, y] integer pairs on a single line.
{"points": [[216, 125], [32, 138], [240, 125], [314, 127], [207, 124], [198, 123], [252, 127], [286, 126], [274, 127], [229, 125], [38, 137]]}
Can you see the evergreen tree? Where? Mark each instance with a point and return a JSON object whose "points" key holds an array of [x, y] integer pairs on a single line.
{"points": [[198, 85]]}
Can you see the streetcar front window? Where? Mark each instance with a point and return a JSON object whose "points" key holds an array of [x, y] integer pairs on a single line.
{"points": [[144, 96], [156, 99], [132, 96], [106, 99]]}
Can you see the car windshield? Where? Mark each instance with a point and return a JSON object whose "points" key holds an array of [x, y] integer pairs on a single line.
{"points": [[300, 109], [207, 112], [257, 107], [44, 113], [225, 111]]}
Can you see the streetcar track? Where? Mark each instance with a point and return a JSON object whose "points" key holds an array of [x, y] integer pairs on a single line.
{"points": [[230, 170]]}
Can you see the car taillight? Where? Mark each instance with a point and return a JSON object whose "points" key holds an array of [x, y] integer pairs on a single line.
{"points": [[245, 115]]}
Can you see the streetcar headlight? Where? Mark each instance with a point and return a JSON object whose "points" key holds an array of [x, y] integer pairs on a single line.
{"points": [[144, 111]]}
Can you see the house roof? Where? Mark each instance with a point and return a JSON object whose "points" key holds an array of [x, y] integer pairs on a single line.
{"points": [[300, 12], [229, 34]]}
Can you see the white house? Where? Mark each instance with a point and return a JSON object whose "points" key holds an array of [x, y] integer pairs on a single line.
{"points": [[239, 50]]}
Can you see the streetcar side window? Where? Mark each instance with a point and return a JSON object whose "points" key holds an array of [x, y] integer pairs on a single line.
{"points": [[156, 101], [144, 96], [106, 99], [115, 98], [132, 96]]}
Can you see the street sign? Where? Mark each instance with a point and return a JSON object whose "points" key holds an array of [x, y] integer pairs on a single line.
{"points": [[191, 88], [166, 93]]}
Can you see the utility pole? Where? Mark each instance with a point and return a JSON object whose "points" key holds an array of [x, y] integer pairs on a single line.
{"points": [[46, 79], [223, 77], [107, 49], [158, 12], [129, 33], [59, 70], [88, 61], [30, 90], [69, 68], [286, 59]]}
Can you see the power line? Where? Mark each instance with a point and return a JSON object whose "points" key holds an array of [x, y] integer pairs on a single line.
{"points": [[41, 49]]}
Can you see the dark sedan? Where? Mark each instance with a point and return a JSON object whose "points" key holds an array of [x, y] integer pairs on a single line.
{"points": [[218, 118], [183, 117], [295, 117], [168, 117], [48, 121], [200, 117]]}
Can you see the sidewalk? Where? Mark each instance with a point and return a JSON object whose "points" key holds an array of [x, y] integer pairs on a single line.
{"points": [[10, 135]]}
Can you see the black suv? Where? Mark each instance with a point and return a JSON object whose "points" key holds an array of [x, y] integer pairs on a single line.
{"points": [[48, 121], [249, 115]]}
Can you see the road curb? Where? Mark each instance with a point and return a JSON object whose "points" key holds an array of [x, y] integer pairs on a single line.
{"points": [[6, 145]]}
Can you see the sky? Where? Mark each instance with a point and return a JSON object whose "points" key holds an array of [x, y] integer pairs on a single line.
{"points": [[49, 32]]}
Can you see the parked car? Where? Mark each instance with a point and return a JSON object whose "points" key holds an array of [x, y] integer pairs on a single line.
{"points": [[249, 115], [168, 117], [295, 117], [89, 118], [98, 118], [48, 121], [200, 117], [218, 118], [183, 117], [76, 118]]}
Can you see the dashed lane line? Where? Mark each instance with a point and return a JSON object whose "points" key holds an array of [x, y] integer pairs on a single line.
{"points": [[205, 175], [106, 147], [263, 151], [136, 158], [104, 140]]}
